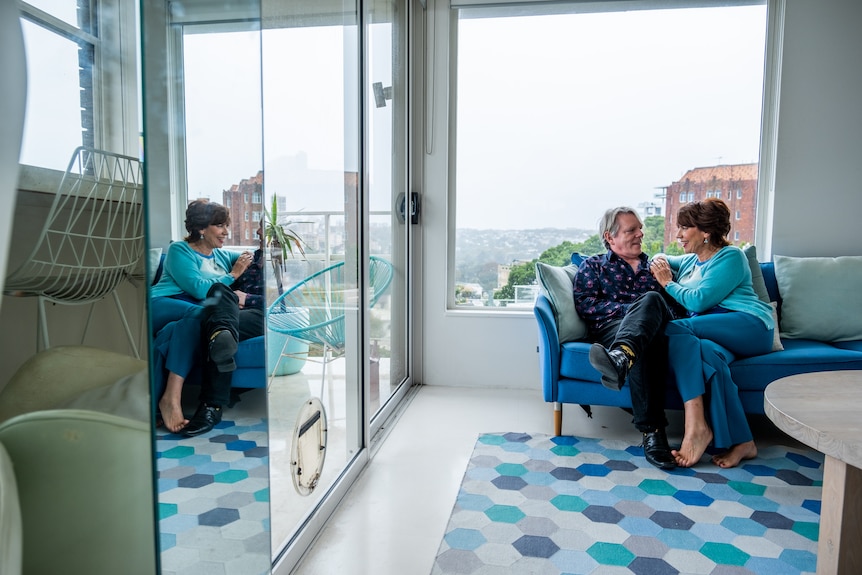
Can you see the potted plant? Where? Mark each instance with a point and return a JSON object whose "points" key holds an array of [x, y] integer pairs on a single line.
{"points": [[280, 241]]}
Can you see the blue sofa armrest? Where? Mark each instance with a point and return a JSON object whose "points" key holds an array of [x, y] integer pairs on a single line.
{"points": [[549, 348]]}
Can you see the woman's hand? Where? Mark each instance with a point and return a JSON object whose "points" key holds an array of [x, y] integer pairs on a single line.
{"points": [[241, 295], [241, 264], [660, 269]]}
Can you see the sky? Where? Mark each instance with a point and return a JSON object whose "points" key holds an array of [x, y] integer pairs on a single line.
{"points": [[558, 117], [587, 111]]}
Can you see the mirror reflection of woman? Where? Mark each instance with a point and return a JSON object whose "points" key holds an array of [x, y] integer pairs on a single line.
{"points": [[713, 282], [192, 267]]}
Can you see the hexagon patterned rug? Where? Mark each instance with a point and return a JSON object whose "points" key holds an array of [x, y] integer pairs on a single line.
{"points": [[559, 505], [214, 500]]}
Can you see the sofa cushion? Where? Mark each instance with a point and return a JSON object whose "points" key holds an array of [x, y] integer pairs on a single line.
{"points": [[557, 285], [756, 273], [575, 362], [799, 356], [820, 297]]}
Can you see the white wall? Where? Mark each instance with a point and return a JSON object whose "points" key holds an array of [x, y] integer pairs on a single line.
{"points": [[818, 184]]}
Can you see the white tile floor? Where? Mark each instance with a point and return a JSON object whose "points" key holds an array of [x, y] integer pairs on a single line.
{"points": [[394, 517]]}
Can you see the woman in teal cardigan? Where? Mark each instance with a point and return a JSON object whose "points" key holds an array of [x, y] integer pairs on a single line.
{"points": [[712, 281], [192, 267]]}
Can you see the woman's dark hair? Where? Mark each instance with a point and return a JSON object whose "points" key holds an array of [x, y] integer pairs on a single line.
{"points": [[710, 215], [201, 214]]}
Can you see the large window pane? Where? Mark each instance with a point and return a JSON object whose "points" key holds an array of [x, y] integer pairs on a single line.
{"points": [[53, 121], [587, 111]]}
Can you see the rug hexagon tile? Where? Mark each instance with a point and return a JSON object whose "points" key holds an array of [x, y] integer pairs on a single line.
{"points": [[531, 503], [214, 496]]}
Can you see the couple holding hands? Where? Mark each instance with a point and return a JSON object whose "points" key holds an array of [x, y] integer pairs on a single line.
{"points": [[691, 314]]}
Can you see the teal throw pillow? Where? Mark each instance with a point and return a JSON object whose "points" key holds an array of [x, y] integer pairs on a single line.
{"points": [[820, 297], [756, 273], [557, 285]]}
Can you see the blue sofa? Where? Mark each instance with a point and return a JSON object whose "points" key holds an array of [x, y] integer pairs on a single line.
{"points": [[568, 377]]}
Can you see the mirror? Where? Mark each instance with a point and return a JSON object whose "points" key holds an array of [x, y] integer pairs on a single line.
{"points": [[203, 140]]}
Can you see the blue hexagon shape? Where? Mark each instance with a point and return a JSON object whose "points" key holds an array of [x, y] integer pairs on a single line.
{"points": [[569, 503], [196, 480], [724, 553], [509, 483], [593, 470], [567, 474], [504, 514], [610, 554], [672, 520], [693, 498], [651, 565], [468, 539], [772, 520], [603, 514], [511, 469], [218, 517], [535, 546]]}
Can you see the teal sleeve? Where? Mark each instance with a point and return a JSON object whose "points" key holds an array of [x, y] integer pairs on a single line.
{"points": [[721, 276], [183, 266]]}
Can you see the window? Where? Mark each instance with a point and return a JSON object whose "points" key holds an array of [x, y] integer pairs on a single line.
{"points": [[255, 216], [245, 197], [729, 194], [75, 80], [584, 93], [256, 199], [738, 193], [738, 215], [246, 216], [736, 236]]}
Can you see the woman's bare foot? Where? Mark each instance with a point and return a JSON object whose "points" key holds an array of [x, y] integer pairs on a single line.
{"points": [[735, 454], [694, 444], [172, 415]]}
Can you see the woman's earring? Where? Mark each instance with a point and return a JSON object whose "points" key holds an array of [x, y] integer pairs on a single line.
{"points": [[706, 240]]}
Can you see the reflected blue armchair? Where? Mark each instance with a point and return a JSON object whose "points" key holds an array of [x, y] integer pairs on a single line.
{"points": [[313, 310]]}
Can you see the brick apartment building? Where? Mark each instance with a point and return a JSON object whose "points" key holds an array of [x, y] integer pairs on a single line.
{"points": [[735, 184], [245, 202]]}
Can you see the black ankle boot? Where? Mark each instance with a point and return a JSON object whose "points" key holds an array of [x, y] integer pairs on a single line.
{"points": [[612, 364], [205, 418], [657, 451]]}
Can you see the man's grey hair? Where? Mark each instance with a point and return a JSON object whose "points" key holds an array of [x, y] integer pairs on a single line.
{"points": [[610, 224]]}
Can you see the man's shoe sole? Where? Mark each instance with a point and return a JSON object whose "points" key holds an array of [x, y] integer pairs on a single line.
{"points": [[600, 360]]}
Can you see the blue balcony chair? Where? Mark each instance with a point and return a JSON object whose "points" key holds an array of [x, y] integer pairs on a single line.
{"points": [[313, 310]]}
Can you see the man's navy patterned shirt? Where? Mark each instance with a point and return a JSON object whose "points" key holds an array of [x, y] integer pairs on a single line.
{"points": [[606, 285]]}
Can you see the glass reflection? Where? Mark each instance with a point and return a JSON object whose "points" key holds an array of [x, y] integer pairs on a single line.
{"points": [[311, 151], [203, 140]]}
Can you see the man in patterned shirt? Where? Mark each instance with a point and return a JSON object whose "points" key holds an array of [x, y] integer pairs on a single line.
{"points": [[626, 312]]}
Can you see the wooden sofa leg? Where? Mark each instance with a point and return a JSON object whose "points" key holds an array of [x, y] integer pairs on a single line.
{"points": [[558, 419]]}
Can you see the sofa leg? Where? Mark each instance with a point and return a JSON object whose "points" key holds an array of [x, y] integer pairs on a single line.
{"points": [[558, 419]]}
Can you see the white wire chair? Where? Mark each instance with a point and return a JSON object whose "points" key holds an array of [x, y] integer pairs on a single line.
{"points": [[92, 240]]}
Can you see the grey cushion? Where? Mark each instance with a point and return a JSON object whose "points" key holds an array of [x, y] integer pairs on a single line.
{"points": [[820, 297], [557, 285], [756, 273]]}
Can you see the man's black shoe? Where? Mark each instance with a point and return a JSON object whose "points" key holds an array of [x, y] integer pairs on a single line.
{"points": [[205, 418], [657, 451], [222, 350], [613, 365]]}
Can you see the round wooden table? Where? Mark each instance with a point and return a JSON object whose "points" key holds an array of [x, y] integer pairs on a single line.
{"points": [[824, 411]]}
